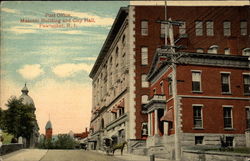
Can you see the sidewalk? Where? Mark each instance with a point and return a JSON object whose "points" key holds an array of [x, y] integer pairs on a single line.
{"points": [[25, 155], [132, 157]]}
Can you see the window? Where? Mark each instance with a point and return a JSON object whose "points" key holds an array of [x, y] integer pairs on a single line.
{"points": [[162, 30], [243, 28], [197, 116], [123, 40], [229, 140], [199, 140], [225, 82], [246, 82], [198, 28], [144, 82], [144, 56], [227, 117], [154, 91], [144, 28], [246, 52], [227, 28], [213, 49], [144, 129], [227, 51], [182, 28], [210, 28], [170, 88], [162, 88], [196, 81], [248, 118], [199, 50], [144, 99]]}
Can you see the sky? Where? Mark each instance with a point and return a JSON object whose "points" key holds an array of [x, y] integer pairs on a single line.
{"points": [[52, 47]]}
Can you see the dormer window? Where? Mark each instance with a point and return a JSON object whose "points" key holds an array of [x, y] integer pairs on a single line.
{"points": [[213, 49], [246, 52]]}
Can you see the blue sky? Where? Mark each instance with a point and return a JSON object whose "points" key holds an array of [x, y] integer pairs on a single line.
{"points": [[55, 62]]}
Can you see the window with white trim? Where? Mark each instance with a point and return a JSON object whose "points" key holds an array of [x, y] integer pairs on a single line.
{"points": [[243, 28], [227, 28], [225, 83], [246, 83], [162, 87], [144, 28], [198, 28], [197, 116], [210, 28], [144, 55], [144, 82], [196, 81], [199, 50], [227, 51], [227, 112], [182, 28]]}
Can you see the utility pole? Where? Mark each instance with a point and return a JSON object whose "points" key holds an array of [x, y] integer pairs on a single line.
{"points": [[170, 49]]}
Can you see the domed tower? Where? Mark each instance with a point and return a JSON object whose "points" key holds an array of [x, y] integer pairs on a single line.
{"points": [[27, 100], [48, 130]]}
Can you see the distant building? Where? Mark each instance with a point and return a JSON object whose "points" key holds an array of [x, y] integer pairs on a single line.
{"points": [[132, 87], [27, 100], [82, 135], [48, 130]]}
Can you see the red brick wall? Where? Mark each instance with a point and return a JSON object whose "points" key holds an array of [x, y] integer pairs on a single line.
{"points": [[48, 134], [189, 15]]}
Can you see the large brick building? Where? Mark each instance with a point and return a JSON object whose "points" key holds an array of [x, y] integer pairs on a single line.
{"points": [[128, 107]]}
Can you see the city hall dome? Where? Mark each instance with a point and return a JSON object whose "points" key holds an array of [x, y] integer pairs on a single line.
{"points": [[27, 100]]}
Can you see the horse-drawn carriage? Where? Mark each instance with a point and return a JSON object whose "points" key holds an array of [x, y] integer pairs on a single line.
{"points": [[110, 145]]}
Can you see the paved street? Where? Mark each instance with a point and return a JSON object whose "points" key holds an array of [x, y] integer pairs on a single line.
{"points": [[69, 155]]}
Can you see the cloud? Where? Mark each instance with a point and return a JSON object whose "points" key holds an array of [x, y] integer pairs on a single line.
{"points": [[85, 58], [31, 71], [99, 21], [8, 10], [68, 70]]}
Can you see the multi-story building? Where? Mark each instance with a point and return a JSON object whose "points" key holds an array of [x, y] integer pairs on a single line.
{"points": [[127, 107]]}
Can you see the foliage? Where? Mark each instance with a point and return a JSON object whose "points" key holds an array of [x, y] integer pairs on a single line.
{"points": [[19, 119], [7, 138], [63, 141]]}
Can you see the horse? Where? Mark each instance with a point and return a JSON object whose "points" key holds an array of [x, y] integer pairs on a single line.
{"points": [[119, 146]]}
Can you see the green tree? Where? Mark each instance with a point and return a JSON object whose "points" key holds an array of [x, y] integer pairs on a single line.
{"points": [[19, 119], [64, 141]]}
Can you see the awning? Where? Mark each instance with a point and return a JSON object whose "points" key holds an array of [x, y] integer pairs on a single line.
{"points": [[114, 110], [169, 116]]}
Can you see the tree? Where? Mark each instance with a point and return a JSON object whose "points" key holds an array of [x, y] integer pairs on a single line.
{"points": [[19, 119]]}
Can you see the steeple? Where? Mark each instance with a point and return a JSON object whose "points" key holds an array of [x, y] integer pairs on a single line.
{"points": [[25, 90]]}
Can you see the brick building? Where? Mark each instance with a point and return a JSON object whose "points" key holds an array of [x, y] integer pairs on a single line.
{"points": [[128, 107]]}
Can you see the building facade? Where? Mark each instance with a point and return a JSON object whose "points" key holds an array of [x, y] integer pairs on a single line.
{"points": [[126, 107]]}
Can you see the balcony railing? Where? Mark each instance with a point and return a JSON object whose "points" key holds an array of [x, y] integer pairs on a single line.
{"points": [[155, 102]]}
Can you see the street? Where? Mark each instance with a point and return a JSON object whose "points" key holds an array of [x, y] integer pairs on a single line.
{"points": [[57, 155], [70, 155]]}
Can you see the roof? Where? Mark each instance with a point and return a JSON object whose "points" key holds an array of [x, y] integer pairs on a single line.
{"points": [[48, 125], [120, 18]]}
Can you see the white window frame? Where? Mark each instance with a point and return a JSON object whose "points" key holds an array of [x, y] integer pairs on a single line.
{"points": [[196, 71], [182, 28], [198, 28], [245, 74], [210, 28], [231, 107], [229, 82], [144, 28], [243, 28], [162, 87], [227, 28], [144, 82], [201, 107], [144, 55]]}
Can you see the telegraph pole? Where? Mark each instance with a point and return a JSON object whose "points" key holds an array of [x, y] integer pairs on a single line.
{"points": [[171, 50]]}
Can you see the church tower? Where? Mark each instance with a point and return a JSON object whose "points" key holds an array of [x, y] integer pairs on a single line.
{"points": [[48, 130]]}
